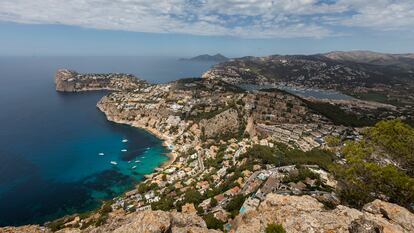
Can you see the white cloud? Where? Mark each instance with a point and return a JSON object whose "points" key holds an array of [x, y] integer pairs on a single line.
{"points": [[248, 18], [383, 15]]}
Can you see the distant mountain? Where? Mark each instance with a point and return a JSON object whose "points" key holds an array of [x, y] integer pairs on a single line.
{"points": [[354, 73], [206, 57], [405, 61]]}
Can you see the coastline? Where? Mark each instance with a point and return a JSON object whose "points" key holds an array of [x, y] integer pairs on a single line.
{"points": [[172, 155]]}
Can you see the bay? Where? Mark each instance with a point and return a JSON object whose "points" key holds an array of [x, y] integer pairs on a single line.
{"points": [[51, 143]]}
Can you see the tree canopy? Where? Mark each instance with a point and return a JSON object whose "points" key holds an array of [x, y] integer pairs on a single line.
{"points": [[368, 174]]}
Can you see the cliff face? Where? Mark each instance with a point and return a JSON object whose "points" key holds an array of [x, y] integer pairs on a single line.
{"points": [[65, 80], [294, 213], [306, 214], [71, 81]]}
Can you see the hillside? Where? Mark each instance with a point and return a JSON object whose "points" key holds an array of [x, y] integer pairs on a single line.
{"points": [[207, 58], [405, 61], [388, 84]]}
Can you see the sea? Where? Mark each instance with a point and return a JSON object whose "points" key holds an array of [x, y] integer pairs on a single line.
{"points": [[58, 153]]}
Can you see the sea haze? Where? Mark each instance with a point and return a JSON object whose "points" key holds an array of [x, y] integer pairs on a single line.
{"points": [[50, 142]]}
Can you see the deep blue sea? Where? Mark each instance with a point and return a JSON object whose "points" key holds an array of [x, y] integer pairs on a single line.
{"points": [[50, 142]]}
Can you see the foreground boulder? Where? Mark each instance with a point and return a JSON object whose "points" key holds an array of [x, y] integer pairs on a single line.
{"points": [[294, 213], [306, 214], [24, 229], [153, 222]]}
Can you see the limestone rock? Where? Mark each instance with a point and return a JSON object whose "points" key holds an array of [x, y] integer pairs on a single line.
{"points": [[186, 220], [306, 214], [147, 222], [295, 213], [363, 225], [392, 212], [192, 230], [24, 229], [154, 222]]}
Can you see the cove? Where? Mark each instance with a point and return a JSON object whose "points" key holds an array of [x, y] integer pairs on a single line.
{"points": [[50, 142]]}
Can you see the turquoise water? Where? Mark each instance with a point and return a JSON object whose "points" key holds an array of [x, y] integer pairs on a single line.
{"points": [[50, 142]]}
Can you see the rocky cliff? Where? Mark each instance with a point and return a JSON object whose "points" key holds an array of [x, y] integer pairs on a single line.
{"points": [[306, 214], [71, 81], [294, 213]]}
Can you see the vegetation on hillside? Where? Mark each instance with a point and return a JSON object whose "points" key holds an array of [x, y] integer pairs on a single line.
{"points": [[275, 228], [338, 116], [381, 166], [212, 222], [282, 155]]}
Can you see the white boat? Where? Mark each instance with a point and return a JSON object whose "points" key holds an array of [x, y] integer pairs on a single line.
{"points": [[137, 161], [129, 161], [101, 153], [124, 150], [143, 157], [148, 148], [134, 167], [125, 140], [114, 163]]}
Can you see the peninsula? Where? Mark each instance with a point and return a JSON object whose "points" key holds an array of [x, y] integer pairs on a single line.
{"points": [[253, 160], [71, 81]]}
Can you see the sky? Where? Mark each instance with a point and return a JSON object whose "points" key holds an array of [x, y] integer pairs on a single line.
{"points": [[192, 27]]}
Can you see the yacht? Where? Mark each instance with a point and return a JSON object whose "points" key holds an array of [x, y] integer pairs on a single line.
{"points": [[101, 153], [124, 150], [125, 140], [114, 163]]}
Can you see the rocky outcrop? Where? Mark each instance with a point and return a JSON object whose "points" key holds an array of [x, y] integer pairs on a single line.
{"points": [[71, 81], [137, 222], [227, 121], [25, 229], [391, 212], [306, 214], [153, 222], [294, 213]]}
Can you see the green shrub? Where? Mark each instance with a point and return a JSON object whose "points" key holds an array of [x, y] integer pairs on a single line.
{"points": [[362, 179], [212, 222], [165, 204], [192, 196], [301, 176], [332, 141], [282, 155], [235, 204], [275, 228]]}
